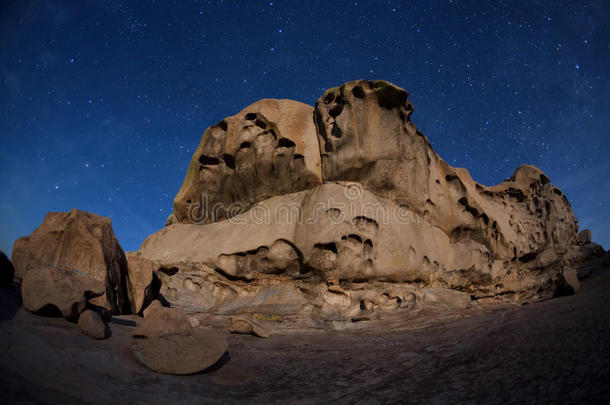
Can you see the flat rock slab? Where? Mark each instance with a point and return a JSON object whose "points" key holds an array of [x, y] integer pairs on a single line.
{"points": [[180, 353]]}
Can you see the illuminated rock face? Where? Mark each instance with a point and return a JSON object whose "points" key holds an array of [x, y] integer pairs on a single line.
{"points": [[372, 220], [269, 148]]}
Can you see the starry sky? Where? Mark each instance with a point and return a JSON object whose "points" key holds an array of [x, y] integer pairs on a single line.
{"points": [[103, 102]]}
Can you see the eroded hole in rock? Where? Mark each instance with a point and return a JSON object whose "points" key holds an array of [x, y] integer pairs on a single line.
{"points": [[368, 247], [358, 92], [355, 238], [516, 193], [362, 305], [169, 271], [260, 124], [285, 143], [333, 213], [388, 97], [362, 218], [336, 110], [208, 160], [229, 161], [528, 257], [250, 116], [298, 156], [471, 210], [336, 131], [223, 125], [329, 98], [245, 145], [544, 180], [230, 277], [485, 219], [332, 246]]}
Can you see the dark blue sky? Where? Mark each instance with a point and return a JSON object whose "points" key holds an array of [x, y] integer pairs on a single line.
{"points": [[103, 102]]}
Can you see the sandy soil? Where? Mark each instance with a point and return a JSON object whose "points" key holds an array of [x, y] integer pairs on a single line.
{"points": [[556, 351]]}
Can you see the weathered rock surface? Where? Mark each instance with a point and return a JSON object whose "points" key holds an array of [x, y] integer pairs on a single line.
{"points": [[92, 324], [180, 353], [267, 149], [247, 326], [7, 271], [140, 286], [80, 243], [48, 290], [391, 222], [366, 136], [159, 320], [169, 341]]}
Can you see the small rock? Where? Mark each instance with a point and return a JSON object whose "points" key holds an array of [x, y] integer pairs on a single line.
{"points": [[180, 353], [91, 324], [246, 326], [151, 308]]}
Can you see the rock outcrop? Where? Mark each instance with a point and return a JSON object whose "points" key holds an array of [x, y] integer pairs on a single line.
{"points": [[390, 224], [80, 244], [267, 149], [329, 215]]}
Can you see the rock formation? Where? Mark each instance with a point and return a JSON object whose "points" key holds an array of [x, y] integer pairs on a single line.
{"points": [[83, 245], [267, 149], [327, 215], [391, 222]]}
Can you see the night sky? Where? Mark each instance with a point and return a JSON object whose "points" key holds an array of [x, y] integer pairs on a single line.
{"points": [[102, 103]]}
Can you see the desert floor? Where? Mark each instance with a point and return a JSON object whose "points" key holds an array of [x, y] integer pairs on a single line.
{"points": [[554, 351]]}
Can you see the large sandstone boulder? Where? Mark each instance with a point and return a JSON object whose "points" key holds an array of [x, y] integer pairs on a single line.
{"points": [[81, 244], [47, 290], [267, 149], [391, 226], [167, 341]]}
